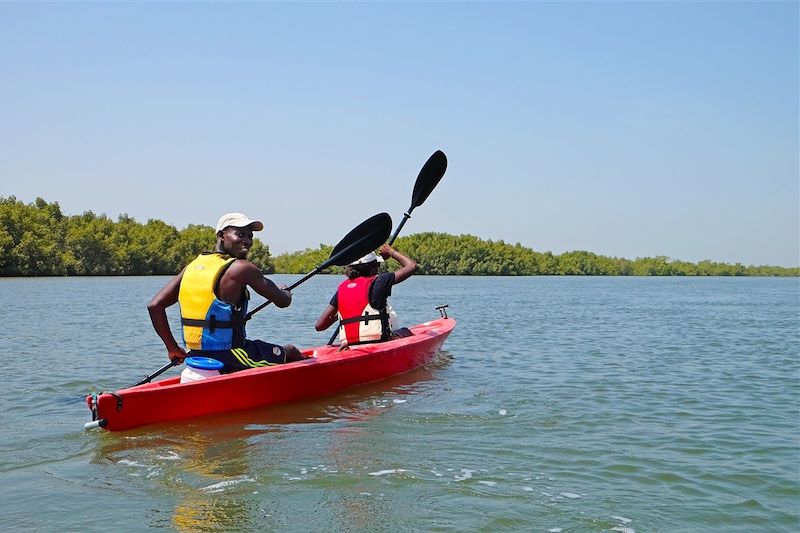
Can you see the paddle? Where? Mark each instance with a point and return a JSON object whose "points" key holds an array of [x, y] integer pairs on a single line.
{"points": [[427, 179], [430, 176], [361, 240], [149, 378]]}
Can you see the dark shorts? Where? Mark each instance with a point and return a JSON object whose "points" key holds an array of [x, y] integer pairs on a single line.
{"points": [[254, 354]]}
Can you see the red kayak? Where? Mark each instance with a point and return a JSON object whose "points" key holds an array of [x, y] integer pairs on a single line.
{"points": [[327, 372]]}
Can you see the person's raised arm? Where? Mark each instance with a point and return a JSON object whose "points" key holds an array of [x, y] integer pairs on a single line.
{"points": [[407, 265], [243, 272], [157, 308]]}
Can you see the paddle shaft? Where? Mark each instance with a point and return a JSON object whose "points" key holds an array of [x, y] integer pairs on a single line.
{"points": [[157, 373], [365, 237], [406, 216], [292, 286]]}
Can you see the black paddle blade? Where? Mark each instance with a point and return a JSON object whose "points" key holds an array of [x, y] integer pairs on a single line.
{"points": [[363, 239], [430, 175]]}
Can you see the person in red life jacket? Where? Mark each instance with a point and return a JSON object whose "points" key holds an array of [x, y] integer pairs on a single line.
{"points": [[212, 292], [360, 303]]}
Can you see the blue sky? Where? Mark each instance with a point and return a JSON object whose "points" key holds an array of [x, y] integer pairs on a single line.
{"points": [[625, 129]]}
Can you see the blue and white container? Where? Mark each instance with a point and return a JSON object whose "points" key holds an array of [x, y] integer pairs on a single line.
{"points": [[198, 368]]}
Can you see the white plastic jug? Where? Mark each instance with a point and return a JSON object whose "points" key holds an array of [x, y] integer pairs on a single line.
{"points": [[198, 368]]}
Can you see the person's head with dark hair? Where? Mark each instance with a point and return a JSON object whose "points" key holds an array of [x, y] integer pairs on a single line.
{"points": [[365, 266]]}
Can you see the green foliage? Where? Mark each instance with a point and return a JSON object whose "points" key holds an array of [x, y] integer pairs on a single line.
{"points": [[31, 237], [38, 240], [443, 254], [305, 261], [192, 240], [259, 254], [467, 255]]}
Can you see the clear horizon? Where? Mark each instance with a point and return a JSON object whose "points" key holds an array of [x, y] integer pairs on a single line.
{"points": [[623, 129]]}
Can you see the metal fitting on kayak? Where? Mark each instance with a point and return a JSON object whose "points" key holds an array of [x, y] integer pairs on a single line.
{"points": [[95, 424], [442, 310], [93, 403]]}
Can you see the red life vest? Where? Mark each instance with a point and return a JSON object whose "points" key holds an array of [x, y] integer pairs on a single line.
{"points": [[359, 322]]}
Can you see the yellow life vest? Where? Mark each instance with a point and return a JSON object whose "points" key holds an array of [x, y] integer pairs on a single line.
{"points": [[209, 323]]}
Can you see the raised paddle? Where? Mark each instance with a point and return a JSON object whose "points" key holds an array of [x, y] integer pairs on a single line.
{"points": [[361, 240], [427, 179], [430, 175]]}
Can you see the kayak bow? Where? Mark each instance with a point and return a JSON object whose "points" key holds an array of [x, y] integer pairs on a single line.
{"points": [[327, 372]]}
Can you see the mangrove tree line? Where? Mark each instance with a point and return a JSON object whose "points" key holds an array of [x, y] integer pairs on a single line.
{"points": [[37, 239]]}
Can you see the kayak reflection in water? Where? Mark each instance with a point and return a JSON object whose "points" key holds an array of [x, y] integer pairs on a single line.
{"points": [[213, 292], [360, 303]]}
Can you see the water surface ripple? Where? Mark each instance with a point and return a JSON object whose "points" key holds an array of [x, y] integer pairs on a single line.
{"points": [[558, 404]]}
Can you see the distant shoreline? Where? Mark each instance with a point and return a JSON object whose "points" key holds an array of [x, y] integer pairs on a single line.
{"points": [[38, 240], [422, 275]]}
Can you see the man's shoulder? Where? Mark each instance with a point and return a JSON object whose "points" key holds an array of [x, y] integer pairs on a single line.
{"points": [[243, 264], [242, 268]]}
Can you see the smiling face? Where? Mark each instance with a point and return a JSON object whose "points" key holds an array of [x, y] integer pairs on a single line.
{"points": [[235, 242]]}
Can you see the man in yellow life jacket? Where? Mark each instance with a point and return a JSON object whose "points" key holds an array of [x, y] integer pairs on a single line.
{"points": [[213, 292], [360, 302]]}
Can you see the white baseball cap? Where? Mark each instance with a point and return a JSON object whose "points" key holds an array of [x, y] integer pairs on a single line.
{"points": [[369, 258], [238, 220]]}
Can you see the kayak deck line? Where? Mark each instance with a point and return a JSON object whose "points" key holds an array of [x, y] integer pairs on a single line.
{"points": [[327, 371]]}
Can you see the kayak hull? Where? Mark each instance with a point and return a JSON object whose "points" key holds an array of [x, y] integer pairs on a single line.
{"points": [[327, 372]]}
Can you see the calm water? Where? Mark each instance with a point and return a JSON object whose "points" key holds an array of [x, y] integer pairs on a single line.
{"points": [[560, 404]]}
